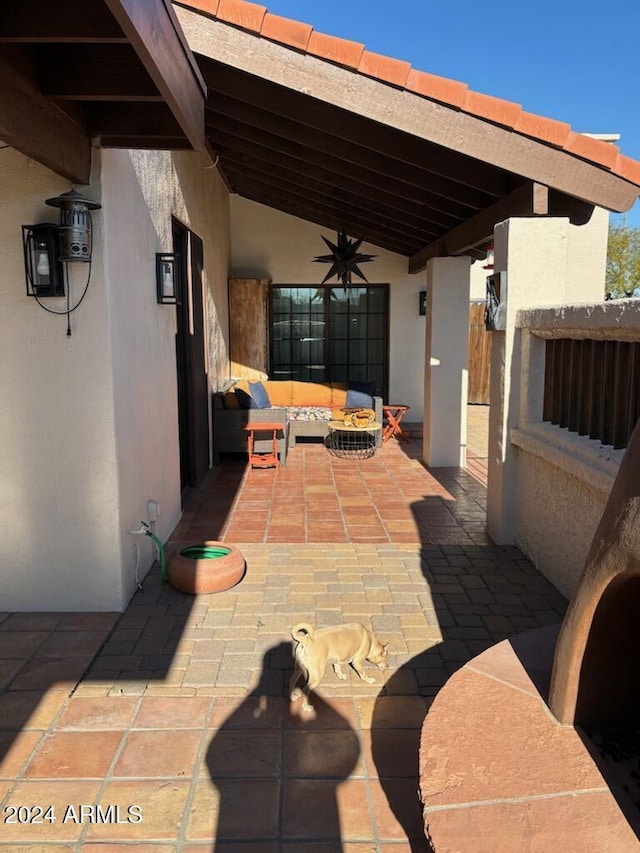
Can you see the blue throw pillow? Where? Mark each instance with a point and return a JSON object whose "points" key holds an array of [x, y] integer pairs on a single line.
{"points": [[358, 400], [259, 396], [245, 400]]}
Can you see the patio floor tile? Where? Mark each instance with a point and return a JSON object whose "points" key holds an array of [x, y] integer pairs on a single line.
{"points": [[184, 711], [74, 755]]}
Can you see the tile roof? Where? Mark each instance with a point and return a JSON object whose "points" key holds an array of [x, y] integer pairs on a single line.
{"points": [[452, 93]]}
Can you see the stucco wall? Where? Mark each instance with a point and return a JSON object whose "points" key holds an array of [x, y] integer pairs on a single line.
{"points": [[88, 428], [60, 544], [267, 243], [562, 479], [142, 190]]}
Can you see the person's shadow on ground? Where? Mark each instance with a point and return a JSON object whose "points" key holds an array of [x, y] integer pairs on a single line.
{"points": [[277, 768]]}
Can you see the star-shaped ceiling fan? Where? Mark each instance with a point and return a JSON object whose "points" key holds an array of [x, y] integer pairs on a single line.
{"points": [[344, 258]]}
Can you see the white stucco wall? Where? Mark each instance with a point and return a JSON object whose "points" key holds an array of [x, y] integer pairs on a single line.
{"points": [[88, 428], [58, 481], [267, 243]]}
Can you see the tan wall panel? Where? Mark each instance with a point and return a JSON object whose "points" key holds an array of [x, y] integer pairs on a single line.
{"points": [[249, 340]]}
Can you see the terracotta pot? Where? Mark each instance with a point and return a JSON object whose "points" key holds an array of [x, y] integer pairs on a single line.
{"points": [[204, 568]]}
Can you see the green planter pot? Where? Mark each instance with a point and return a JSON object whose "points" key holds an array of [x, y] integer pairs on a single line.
{"points": [[205, 568]]}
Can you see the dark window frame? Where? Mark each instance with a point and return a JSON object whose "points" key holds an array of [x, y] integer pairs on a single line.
{"points": [[332, 371]]}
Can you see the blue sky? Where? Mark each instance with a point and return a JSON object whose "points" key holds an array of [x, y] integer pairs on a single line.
{"points": [[573, 60]]}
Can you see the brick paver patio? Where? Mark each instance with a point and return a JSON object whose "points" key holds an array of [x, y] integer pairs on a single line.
{"points": [[175, 715]]}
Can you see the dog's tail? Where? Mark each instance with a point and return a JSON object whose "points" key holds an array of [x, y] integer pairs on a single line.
{"points": [[302, 632]]}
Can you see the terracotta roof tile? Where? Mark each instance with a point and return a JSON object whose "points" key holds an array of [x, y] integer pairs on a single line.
{"points": [[248, 16], [628, 168], [209, 7], [286, 31], [353, 55], [493, 109], [596, 150], [340, 51], [394, 71], [546, 129], [437, 88]]}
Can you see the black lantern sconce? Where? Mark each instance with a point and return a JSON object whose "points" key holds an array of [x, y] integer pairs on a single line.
{"points": [[49, 248], [44, 272], [167, 278], [423, 303]]}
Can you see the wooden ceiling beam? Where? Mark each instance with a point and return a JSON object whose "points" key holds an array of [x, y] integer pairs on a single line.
{"points": [[374, 136], [529, 199], [285, 205], [156, 120], [407, 112], [37, 128], [286, 152], [326, 184], [312, 210], [34, 21], [156, 36], [344, 204], [349, 151], [94, 72]]}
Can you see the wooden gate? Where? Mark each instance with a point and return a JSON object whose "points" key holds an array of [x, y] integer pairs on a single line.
{"points": [[479, 355]]}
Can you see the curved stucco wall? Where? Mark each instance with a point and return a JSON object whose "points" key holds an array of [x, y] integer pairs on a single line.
{"points": [[270, 244]]}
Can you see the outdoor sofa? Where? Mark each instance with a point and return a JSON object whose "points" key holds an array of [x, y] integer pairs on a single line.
{"points": [[304, 409]]}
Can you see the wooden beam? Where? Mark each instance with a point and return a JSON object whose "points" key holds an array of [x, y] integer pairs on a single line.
{"points": [[350, 207], [228, 111], [357, 225], [153, 31], [578, 212], [358, 222], [529, 199], [373, 136], [279, 151], [32, 21], [37, 128], [406, 112], [95, 72], [296, 170], [132, 119]]}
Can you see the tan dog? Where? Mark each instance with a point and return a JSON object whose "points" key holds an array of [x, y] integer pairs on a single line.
{"points": [[339, 644]]}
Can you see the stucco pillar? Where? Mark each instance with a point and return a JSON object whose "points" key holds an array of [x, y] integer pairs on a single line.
{"points": [[446, 362], [547, 261]]}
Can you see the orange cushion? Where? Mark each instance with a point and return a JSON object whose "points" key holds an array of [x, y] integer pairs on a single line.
{"points": [[280, 391], [311, 394], [338, 394]]}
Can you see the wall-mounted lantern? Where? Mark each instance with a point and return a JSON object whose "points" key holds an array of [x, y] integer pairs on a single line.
{"points": [[49, 248], [44, 272], [167, 278], [423, 302]]}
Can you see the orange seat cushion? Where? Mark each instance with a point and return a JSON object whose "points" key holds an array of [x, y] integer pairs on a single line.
{"points": [[280, 392], [338, 394], [311, 394]]}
